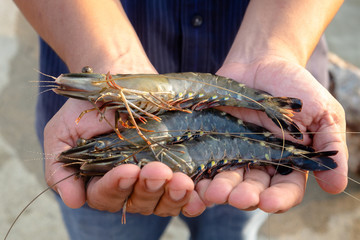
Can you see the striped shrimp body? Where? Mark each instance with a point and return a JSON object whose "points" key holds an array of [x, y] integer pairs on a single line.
{"points": [[148, 95], [172, 130], [208, 142]]}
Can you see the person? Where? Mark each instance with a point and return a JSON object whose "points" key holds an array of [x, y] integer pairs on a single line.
{"points": [[264, 44]]}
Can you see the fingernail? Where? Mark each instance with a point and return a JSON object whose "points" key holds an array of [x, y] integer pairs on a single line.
{"points": [[154, 185], [126, 183], [187, 213], [177, 195], [190, 212]]}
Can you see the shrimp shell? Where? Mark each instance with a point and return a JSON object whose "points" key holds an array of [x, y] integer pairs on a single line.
{"points": [[200, 144], [149, 95]]}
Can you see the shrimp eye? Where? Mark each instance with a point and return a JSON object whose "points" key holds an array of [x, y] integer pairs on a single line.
{"points": [[87, 69], [80, 142]]}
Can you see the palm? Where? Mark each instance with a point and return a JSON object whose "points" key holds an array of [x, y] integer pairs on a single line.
{"points": [[321, 113]]}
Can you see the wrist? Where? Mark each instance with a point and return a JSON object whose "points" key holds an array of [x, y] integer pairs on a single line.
{"points": [[255, 41], [288, 29], [114, 58], [250, 53]]}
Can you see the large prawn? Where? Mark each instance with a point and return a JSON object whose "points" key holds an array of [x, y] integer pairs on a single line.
{"points": [[201, 145], [148, 95]]}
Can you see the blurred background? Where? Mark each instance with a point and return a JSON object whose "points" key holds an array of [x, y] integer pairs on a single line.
{"points": [[319, 216]]}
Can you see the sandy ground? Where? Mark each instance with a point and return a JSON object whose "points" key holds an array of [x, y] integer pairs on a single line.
{"points": [[320, 216]]}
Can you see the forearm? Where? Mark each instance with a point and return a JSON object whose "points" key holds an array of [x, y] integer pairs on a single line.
{"points": [[95, 33], [287, 28]]}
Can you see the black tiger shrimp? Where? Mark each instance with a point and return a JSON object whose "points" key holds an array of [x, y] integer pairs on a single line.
{"points": [[201, 145], [149, 95]]}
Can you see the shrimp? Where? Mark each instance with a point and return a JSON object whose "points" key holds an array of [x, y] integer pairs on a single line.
{"points": [[201, 145], [145, 96]]}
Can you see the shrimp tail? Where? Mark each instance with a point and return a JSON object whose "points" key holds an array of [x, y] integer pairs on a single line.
{"points": [[281, 110], [293, 104], [315, 161]]}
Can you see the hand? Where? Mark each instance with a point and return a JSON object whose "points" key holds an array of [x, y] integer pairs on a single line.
{"points": [[321, 113], [154, 189]]}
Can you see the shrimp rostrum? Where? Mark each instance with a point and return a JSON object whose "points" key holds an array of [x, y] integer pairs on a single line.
{"points": [[145, 96], [200, 145]]}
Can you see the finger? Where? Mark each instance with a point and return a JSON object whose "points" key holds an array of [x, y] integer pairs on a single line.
{"points": [[285, 192], [149, 188], [333, 181], [177, 194], [330, 134], [71, 190], [246, 195], [60, 133], [221, 186], [195, 206], [201, 188], [110, 191]]}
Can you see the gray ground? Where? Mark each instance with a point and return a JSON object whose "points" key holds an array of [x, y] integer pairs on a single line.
{"points": [[320, 216]]}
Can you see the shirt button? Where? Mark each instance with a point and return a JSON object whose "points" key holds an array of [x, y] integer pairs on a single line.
{"points": [[197, 21]]}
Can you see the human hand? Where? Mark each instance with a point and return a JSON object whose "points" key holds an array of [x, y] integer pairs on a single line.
{"points": [[153, 189], [259, 188]]}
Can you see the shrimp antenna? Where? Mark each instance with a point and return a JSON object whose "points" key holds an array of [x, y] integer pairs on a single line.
{"points": [[33, 200], [44, 74]]}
